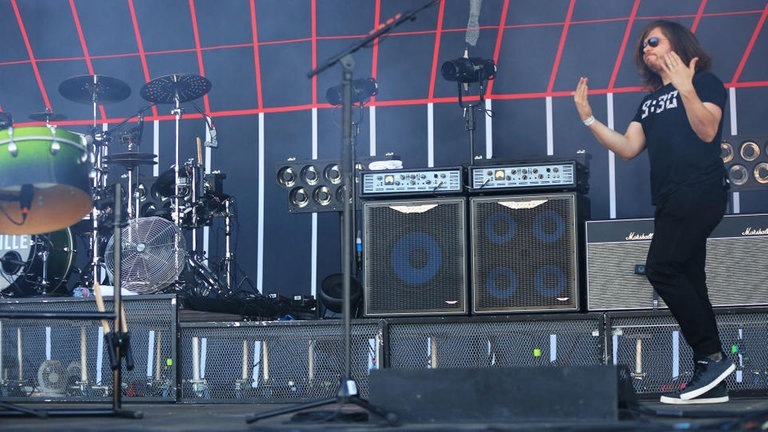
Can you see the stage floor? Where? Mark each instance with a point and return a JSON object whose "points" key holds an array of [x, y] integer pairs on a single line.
{"points": [[739, 414]]}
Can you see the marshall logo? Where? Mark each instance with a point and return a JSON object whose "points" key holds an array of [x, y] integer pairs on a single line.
{"points": [[635, 236], [755, 232]]}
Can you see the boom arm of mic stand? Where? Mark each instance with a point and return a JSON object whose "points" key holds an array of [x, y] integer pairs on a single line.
{"points": [[372, 36]]}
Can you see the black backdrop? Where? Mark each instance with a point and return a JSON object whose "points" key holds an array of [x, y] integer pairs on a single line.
{"points": [[257, 54]]}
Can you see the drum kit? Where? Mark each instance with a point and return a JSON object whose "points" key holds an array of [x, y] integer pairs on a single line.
{"points": [[54, 181]]}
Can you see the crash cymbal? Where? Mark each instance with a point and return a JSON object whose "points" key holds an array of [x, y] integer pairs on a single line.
{"points": [[94, 88], [167, 89], [131, 160], [47, 116]]}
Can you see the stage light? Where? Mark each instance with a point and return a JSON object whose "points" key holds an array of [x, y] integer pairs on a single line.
{"points": [[286, 176], [469, 69], [761, 173], [749, 150], [313, 185], [746, 159], [299, 197], [322, 196], [332, 173], [726, 152], [362, 90], [309, 175]]}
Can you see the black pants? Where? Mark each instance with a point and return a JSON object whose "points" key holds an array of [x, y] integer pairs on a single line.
{"points": [[676, 261]]}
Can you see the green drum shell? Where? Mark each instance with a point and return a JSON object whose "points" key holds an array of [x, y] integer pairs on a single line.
{"points": [[55, 162], [34, 161]]}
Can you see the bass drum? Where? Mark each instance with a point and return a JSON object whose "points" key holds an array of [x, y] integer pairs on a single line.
{"points": [[21, 263]]}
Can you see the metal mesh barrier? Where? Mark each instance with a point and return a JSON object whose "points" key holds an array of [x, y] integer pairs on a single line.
{"points": [[501, 342], [660, 360], [283, 361], [66, 360]]}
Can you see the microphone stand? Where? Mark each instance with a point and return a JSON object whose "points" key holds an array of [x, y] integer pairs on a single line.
{"points": [[347, 392], [469, 119]]}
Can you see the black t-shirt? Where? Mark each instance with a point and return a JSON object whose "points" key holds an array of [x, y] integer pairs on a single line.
{"points": [[678, 156]]}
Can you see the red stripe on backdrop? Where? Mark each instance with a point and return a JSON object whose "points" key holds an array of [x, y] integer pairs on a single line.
{"points": [[31, 55], [200, 64], [313, 8], [84, 46], [499, 39], [375, 50], [256, 59], [561, 45], [624, 43], [140, 47], [436, 51], [699, 13], [750, 46]]}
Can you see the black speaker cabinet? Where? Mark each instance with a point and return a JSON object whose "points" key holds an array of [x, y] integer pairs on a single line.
{"points": [[525, 252], [737, 274], [415, 257]]}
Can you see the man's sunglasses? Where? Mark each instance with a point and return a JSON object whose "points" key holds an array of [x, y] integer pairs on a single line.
{"points": [[652, 41]]}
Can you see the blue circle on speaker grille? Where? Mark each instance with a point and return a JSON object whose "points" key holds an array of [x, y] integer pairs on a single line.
{"points": [[550, 281], [548, 226], [498, 291], [500, 228], [405, 248]]}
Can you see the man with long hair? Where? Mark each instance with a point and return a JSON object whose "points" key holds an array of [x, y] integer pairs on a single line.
{"points": [[680, 123]]}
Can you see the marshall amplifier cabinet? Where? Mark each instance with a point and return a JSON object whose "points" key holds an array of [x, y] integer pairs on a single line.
{"points": [[737, 274]]}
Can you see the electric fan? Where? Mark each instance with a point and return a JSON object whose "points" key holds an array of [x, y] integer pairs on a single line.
{"points": [[153, 254], [52, 378]]}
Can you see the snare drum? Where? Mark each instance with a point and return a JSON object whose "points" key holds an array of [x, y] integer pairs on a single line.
{"points": [[54, 162], [21, 263]]}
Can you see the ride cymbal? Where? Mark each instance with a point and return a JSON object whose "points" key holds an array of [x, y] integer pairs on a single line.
{"points": [[167, 89], [100, 89]]}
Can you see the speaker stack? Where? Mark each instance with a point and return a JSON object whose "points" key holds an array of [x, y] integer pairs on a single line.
{"points": [[617, 249], [507, 243]]}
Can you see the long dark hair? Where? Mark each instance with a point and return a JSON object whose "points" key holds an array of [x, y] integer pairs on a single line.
{"points": [[683, 42]]}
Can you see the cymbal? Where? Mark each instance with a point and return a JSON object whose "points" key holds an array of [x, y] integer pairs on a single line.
{"points": [[47, 116], [168, 88], [131, 160], [88, 89]]}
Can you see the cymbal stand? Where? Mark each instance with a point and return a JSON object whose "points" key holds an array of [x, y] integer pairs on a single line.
{"points": [[229, 256], [177, 112], [98, 184]]}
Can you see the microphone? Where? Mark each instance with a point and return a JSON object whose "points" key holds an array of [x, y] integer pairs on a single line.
{"points": [[25, 200], [469, 69], [362, 89]]}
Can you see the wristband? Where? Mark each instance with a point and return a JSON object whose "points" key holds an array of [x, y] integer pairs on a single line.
{"points": [[589, 121]]}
